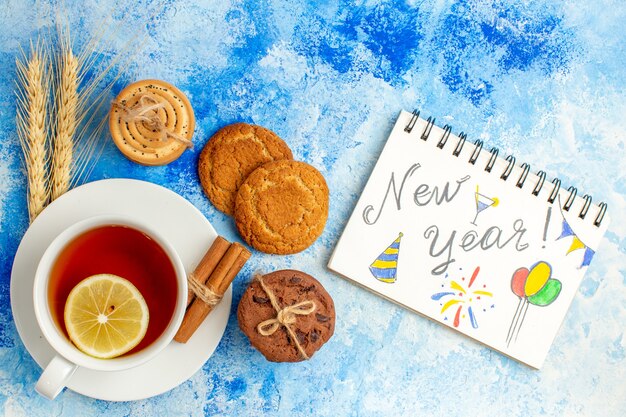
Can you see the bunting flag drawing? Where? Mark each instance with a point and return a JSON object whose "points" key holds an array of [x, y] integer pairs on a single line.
{"points": [[385, 266], [577, 243]]}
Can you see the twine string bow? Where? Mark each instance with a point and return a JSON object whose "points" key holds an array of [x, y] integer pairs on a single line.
{"points": [[146, 111], [208, 296], [284, 316]]}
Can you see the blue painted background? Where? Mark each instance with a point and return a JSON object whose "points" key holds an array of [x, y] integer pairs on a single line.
{"points": [[541, 80]]}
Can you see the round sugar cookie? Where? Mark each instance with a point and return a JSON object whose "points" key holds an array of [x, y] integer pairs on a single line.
{"points": [[140, 139], [282, 207], [289, 287], [231, 155]]}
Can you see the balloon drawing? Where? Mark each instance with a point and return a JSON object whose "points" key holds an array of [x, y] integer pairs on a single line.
{"points": [[482, 203], [385, 266], [459, 296], [533, 286]]}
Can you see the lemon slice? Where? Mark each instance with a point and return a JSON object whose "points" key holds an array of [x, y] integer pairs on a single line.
{"points": [[106, 316]]}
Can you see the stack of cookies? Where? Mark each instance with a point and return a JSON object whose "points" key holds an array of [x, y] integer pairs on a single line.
{"points": [[287, 315], [279, 205], [152, 122]]}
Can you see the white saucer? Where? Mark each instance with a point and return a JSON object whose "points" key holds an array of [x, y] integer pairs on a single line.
{"points": [[181, 223]]}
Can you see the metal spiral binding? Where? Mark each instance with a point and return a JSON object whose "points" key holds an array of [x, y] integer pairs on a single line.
{"points": [[539, 185], [492, 159], [459, 146], [555, 190], [444, 138], [522, 178], [598, 221], [409, 127], [478, 147], [430, 122], [509, 168], [570, 198], [586, 205]]}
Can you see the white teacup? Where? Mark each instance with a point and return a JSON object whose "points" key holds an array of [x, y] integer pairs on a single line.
{"points": [[68, 358]]}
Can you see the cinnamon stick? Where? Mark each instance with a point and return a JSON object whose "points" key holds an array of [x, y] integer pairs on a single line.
{"points": [[219, 281], [208, 263]]}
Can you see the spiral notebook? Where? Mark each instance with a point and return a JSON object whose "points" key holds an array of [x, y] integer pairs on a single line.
{"points": [[474, 241]]}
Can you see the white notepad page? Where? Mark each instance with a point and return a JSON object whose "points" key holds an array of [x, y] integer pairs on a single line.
{"points": [[447, 239]]}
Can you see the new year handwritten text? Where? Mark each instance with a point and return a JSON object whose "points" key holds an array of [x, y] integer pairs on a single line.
{"points": [[425, 194]]}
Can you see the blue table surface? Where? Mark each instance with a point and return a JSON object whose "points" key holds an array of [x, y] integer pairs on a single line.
{"points": [[541, 80]]}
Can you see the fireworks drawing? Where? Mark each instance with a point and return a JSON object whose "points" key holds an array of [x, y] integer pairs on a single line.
{"points": [[463, 298]]}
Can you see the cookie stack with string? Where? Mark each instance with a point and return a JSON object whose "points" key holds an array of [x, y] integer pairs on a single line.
{"points": [[152, 122], [280, 206]]}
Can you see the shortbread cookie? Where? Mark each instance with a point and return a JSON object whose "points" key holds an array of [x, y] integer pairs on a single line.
{"points": [[282, 207], [231, 155], [152, 122], [313, 325]]}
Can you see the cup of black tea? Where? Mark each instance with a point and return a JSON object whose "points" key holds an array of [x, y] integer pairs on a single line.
{"points": [[129, 250]]}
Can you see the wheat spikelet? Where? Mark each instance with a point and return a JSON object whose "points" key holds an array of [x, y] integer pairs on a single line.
{"points": [[61, 150], [92, 99], [66, 107], [31, 120]]}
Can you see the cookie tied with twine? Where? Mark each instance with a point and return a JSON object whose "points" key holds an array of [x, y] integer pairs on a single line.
{"points": [[152, 122], [287, 315]]}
